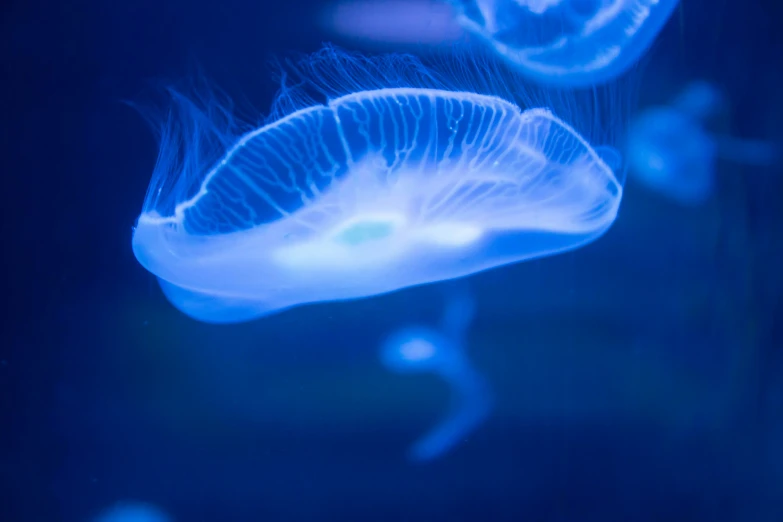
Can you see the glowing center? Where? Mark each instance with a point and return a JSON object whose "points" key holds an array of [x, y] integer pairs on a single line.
{"points": [[417, 350], [373, 239], [361, 232], [367, 228]]}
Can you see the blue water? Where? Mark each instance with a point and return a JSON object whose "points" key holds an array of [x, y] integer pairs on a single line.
{"points": [[638, 378]]}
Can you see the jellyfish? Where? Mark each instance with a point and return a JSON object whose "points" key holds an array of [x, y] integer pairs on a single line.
{"points": [[568, 42], [416, 349], [671, 151], [133, 512], [414, 176]]}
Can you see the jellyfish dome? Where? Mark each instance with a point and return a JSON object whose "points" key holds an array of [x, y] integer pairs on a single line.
{"points": [[372, 191], [569, 42]]}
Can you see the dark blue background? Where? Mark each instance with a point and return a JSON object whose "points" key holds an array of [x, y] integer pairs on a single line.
{"points": [[638, 379]]}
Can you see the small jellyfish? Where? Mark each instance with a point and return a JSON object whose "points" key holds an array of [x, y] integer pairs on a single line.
{"points": [[671, 151], [569, 42], [417, 349], [133, 512], [411, 177]]}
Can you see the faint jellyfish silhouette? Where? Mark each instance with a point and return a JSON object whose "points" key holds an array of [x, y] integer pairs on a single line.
{"points": [[377, 190], [567, 42], [133, 512], [671, 152], [415, 349], [398, 22]]}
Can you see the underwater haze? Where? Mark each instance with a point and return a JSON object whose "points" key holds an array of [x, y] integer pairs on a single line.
{"points": [[355, 260]]}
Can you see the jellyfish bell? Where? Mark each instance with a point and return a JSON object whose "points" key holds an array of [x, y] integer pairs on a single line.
{"points": [[377, 187], [567, 42]]}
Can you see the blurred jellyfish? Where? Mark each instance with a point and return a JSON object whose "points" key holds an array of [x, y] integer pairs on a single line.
{"points": [[133, 512], [567, 42], [409, 178], [398, 22], [415, 349], [671, 151]]}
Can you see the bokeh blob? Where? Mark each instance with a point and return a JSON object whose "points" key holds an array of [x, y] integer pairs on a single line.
{"points": [[420, 349], [133, 512], [672, 152], [394, 22]]}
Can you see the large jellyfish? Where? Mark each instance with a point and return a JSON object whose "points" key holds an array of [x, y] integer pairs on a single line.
{"points": [[416, 349], [671, 151], [568, 42], [410, 178]]}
